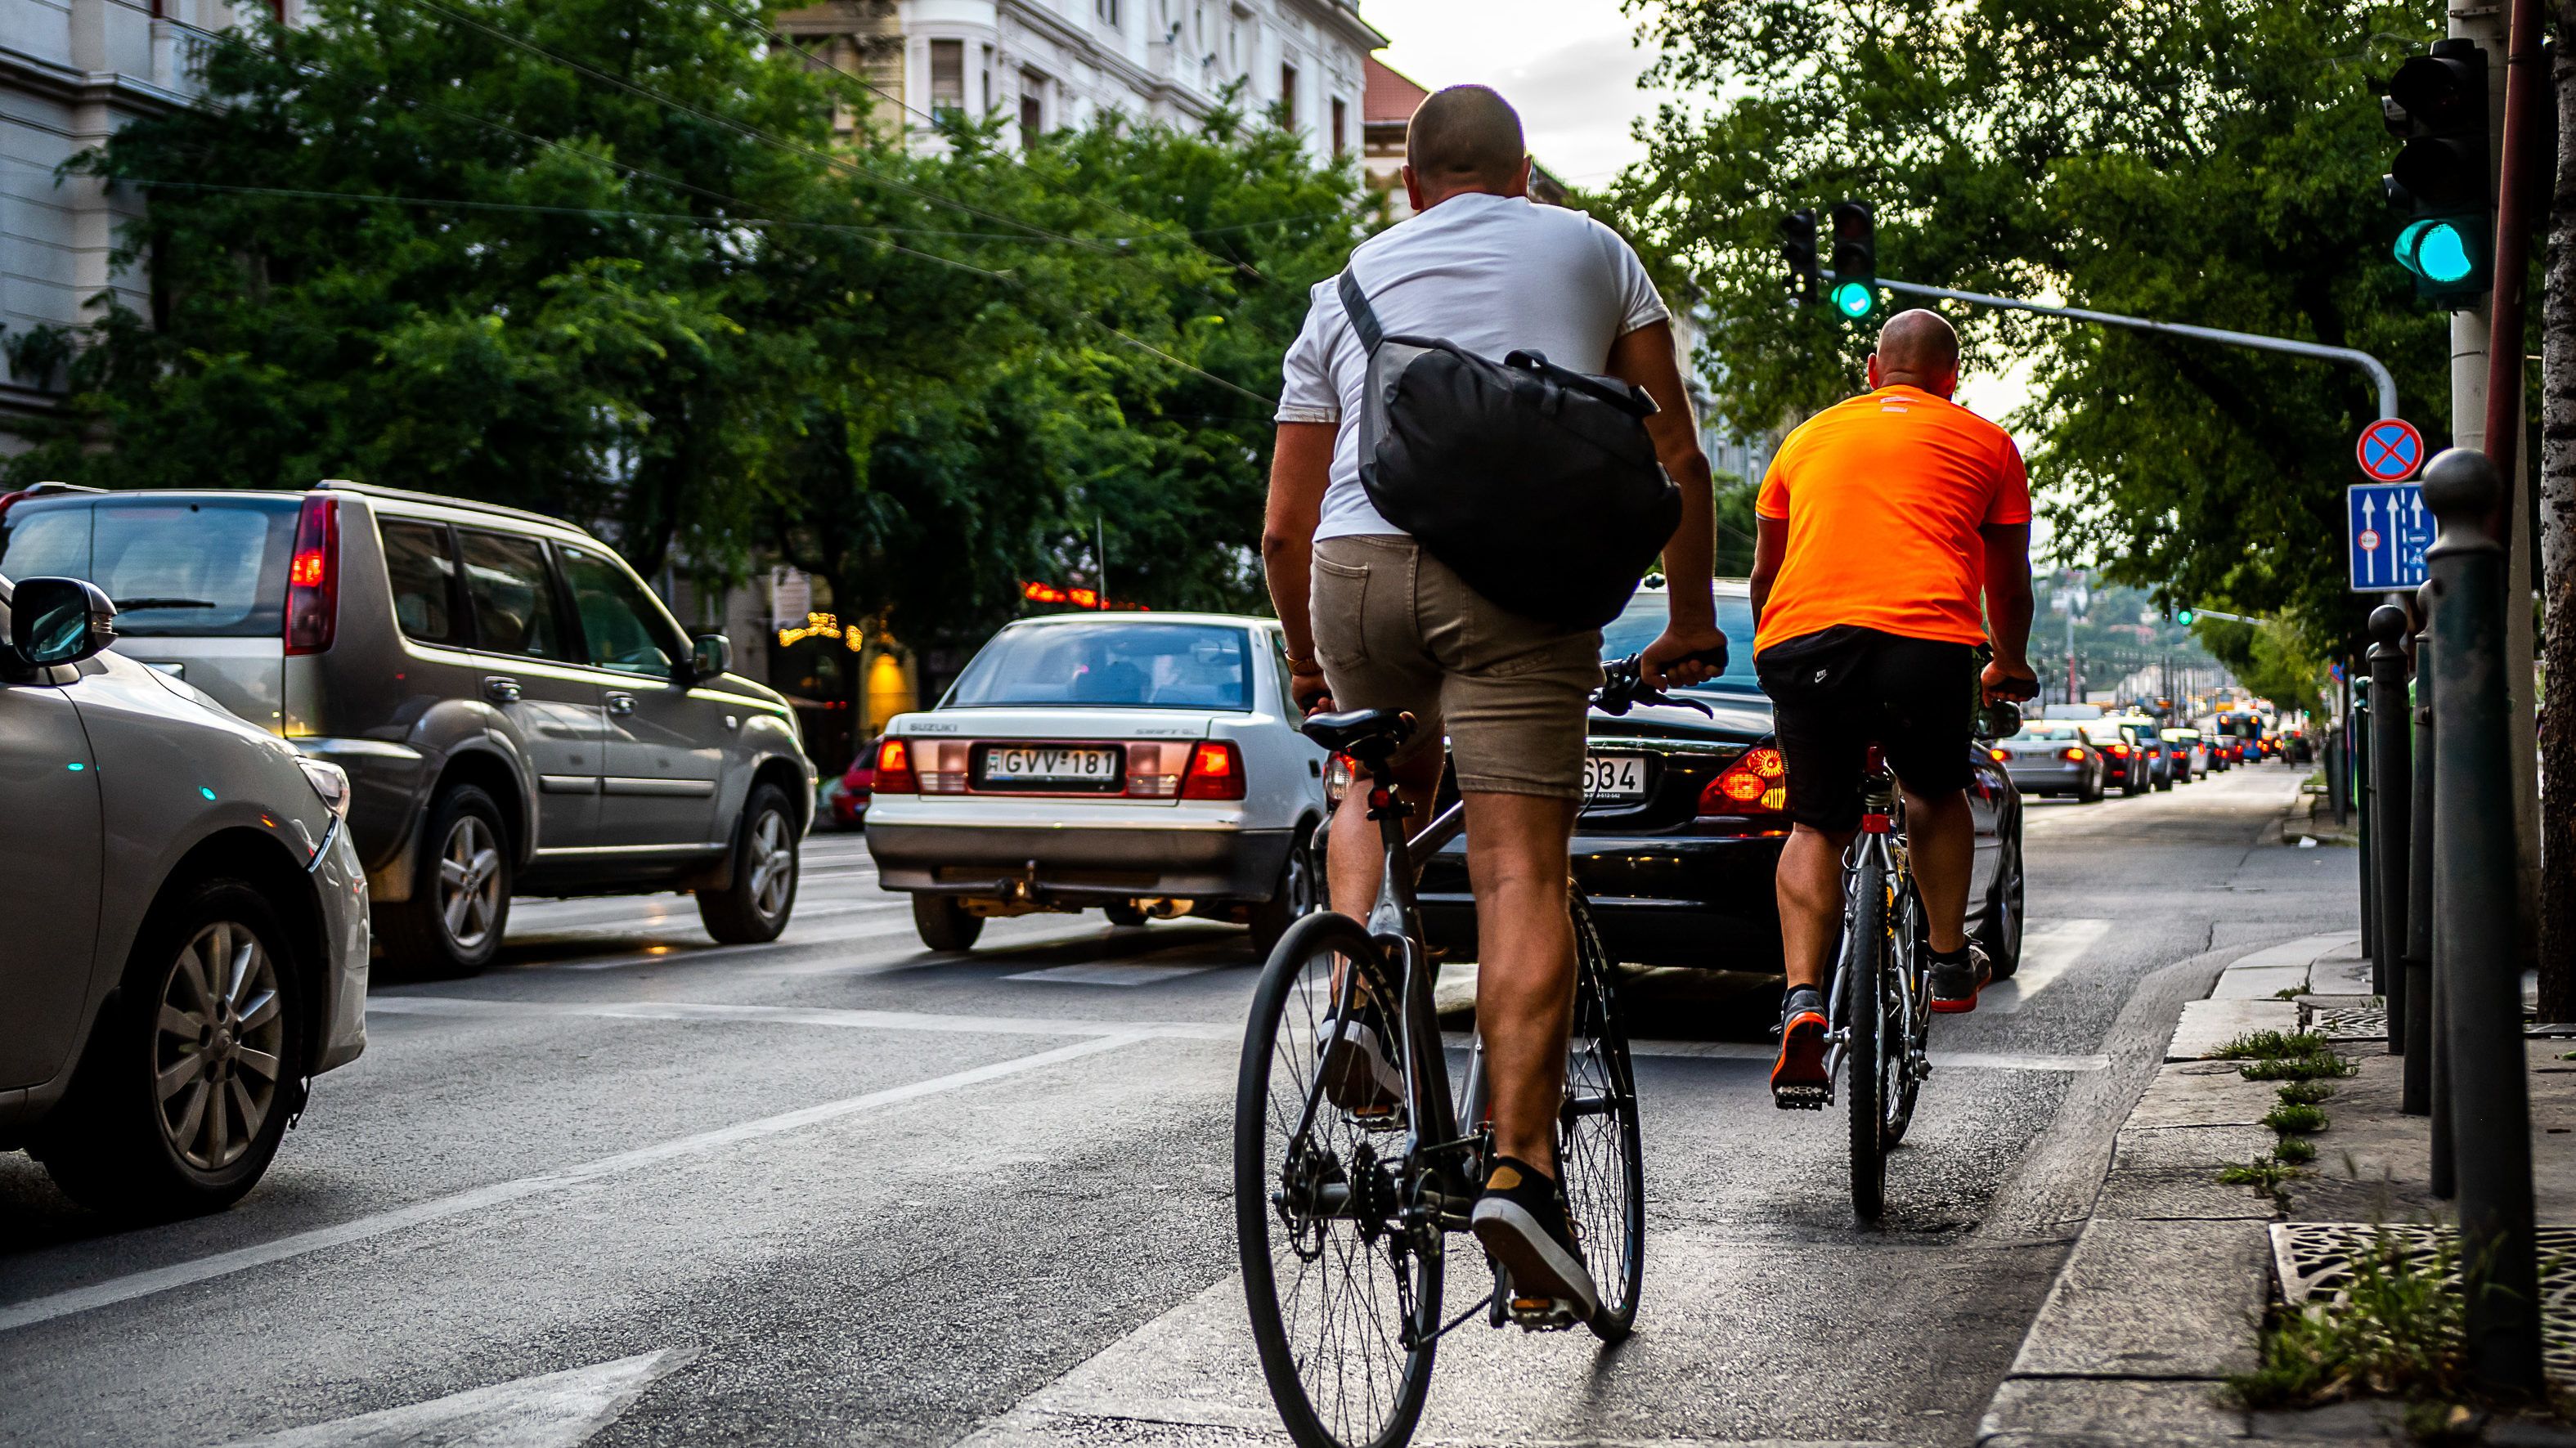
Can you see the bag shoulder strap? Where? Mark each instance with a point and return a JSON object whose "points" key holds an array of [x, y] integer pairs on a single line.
{"points": [[1363, 318]]}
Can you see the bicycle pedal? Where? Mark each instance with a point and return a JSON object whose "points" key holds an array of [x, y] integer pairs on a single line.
{"points": [[1378, 1119], [1802, 1098], [1543, 1314]]}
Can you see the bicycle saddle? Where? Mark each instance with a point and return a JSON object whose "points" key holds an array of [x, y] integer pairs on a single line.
{"points": [[1364, 734]]}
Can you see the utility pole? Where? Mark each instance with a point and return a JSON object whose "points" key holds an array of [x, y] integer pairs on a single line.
{"points": [[2486, 22]]}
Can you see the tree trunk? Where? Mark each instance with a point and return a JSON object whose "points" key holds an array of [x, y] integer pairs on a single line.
{"points": [[2558, 557]]}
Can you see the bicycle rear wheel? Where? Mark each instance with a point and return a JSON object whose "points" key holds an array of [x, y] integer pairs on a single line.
{"points": [[1344, 1299], [1865, 975], [1600, 1160], [1909, 1012]]}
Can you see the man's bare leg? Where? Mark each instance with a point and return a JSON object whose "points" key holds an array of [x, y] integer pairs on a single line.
{"points": [[1356, 861], [1810, 887], [1516, 862], [1941, 836]]}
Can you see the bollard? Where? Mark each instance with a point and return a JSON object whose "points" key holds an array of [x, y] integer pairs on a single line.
{"points": [[2417, 1097], [2392, 800], [2474, 946], [2357, 770]]}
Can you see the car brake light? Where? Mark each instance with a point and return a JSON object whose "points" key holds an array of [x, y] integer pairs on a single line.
{"points": [[313, 578], [2075, 754], [1999, 756], [894, 769], [1216, 772], [1757, 783], [2116, 751]]}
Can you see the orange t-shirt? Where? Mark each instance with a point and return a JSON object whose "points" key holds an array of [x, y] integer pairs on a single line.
{"points": [[1884, 495]]}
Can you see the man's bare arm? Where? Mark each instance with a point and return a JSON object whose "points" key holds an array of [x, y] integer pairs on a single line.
{"points": [[1301, 467], [2008, 596], [1645, 359], [1770, 545]]}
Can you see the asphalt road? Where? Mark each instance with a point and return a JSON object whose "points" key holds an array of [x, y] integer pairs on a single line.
{"points": [[634, 1188]]}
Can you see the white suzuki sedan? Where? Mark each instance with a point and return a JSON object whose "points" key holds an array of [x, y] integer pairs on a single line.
{"points": [[1148, 765]]}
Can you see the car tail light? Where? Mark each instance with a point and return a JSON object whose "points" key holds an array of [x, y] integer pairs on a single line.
{"points": [[1999, 756], [894, 769], [2074, 754], [1216, 771], [1757, 783], [313, 578], [2116, 751]]}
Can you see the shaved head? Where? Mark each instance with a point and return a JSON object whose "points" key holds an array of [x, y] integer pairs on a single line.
{"points": [[1916, 349], [1465, 138]]}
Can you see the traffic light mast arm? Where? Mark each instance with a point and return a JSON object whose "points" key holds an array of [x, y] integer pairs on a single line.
{"points": [[2380, 377]]}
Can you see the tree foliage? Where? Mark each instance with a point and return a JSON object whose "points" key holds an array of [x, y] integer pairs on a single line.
{"points": [[612, 262], [2209, 161]]}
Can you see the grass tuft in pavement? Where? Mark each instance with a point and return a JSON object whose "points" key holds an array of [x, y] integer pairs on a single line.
{"points": [[2263, 1045], [2319, 1066], [2396, 1332], [2294, 1150], [2266, 1172], [2307, 1093], [2294, 1117]]}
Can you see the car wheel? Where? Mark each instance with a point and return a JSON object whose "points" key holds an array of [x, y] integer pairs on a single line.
{"points": [[1295, 896], [754, 905], [2000, 931], [944, 924], [1123, 912], [2090, 791], [460, 899], [195, 1068]]}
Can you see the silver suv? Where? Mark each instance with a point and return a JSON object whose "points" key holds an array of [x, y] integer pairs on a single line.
{"points": [[517, 713]]}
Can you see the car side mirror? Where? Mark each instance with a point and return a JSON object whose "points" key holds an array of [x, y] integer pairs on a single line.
{"points": [[710, 655], [59, 621], [2000, 719]]}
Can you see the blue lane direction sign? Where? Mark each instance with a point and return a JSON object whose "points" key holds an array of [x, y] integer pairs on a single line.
{"points": [[2386, 530], [2390, 450]]}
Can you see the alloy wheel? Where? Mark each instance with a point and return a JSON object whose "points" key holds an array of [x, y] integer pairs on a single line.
{"points": [[217, 1046], [469, 882], [773, 864]]}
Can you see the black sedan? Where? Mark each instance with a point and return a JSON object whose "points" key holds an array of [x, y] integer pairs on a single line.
{"points": [[1679, 844]]}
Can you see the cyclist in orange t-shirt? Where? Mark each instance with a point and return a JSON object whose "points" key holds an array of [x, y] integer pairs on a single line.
{"points": [[1880, 522]]}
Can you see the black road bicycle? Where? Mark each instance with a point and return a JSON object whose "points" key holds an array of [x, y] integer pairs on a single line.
{"points": [[1343, 1216]]}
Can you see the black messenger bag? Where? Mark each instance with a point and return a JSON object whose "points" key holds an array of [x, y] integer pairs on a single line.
{"points": [[1537, 484]]}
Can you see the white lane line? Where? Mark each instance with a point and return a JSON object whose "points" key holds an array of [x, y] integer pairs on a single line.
{"points": [[2046, 954], [552, 1410], [404, 1219], [1129, 975], [1963, 1060], [833, 1016]]}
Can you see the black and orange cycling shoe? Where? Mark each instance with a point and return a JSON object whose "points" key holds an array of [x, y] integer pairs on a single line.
{"points": [[1958, 979], [1798, 1079]]}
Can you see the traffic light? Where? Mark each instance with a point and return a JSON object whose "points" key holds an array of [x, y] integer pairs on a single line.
{"points": [[2183, 616], [1855, 259], [1798, 247], [2440, 181]]}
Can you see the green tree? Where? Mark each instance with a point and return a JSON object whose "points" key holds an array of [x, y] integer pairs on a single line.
{"points": [[2212, 161]]}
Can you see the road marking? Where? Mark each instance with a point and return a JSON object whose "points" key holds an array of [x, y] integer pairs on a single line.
{"points": [[2046, 954], [1110, 974], [404, 1219], [555, 1410], [1757, 1051], [832, 1016]]}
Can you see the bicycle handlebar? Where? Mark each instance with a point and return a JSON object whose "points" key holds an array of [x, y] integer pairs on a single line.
{"points": [[1623, 685]]}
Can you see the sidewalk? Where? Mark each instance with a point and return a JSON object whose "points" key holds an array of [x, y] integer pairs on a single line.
{"points": [[2163, 1296]]}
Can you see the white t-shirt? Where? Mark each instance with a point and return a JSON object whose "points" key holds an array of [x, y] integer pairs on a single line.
{"points": [[1492, 274]]}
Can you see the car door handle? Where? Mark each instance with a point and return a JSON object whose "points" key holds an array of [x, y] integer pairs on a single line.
{"points": [[620, 702], [501, 689]]}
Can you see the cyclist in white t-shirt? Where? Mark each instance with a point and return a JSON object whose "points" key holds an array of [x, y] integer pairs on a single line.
{"points": [[1373, 621]]}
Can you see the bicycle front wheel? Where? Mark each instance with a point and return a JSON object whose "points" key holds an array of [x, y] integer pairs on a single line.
{"points": [[1865, 975], [1600, 1160], [1344, 1297]]}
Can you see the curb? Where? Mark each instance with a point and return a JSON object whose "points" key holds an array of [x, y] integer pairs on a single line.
{"points": [[2161, 1297]]}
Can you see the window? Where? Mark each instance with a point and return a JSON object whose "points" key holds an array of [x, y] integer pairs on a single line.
{"points": [[1341, 126], [947, 76], [1288, 96], [622, 628], [1107, 10], [984, 84], [213, 569], [1032, 109], [1111, 665], [421, 565], [513, 597]]}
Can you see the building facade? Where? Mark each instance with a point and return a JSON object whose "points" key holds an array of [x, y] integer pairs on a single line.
{"points": [[1045, 64], [71, 73]]}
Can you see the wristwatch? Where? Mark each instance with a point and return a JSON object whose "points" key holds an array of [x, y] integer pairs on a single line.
{"points": [[1297, 665]]}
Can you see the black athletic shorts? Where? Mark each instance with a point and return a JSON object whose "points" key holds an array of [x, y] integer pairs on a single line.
{"points": [[1839, 690]]}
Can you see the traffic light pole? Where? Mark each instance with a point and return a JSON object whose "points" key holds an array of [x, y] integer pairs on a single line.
{"points": [[2381, 380]]}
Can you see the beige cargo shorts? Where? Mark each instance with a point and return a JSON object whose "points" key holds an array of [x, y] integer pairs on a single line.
{"points": [[1395, 628]]}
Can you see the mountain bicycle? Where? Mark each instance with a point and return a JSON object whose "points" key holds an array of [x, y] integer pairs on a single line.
{"points": [[1342, 1216]]}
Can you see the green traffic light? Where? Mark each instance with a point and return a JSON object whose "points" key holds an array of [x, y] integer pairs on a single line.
{"points": [[1854, 299], [2183, 617], [2436, 251]]}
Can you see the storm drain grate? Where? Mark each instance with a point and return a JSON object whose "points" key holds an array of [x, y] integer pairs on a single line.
{"points": [[2350, 1023], [2314, 1259]]}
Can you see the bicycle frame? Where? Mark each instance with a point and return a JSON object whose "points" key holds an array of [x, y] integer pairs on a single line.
{"points": [[1882, 834]]}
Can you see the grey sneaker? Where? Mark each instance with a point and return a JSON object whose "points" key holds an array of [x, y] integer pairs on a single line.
{"points": [[1958, 979], [1360, 1073], [1520, 1219]]}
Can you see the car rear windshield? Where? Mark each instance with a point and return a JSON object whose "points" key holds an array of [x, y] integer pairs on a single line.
{"points": [[1643, 620], [2049, 731], [211, 568], [1111, 665]]}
